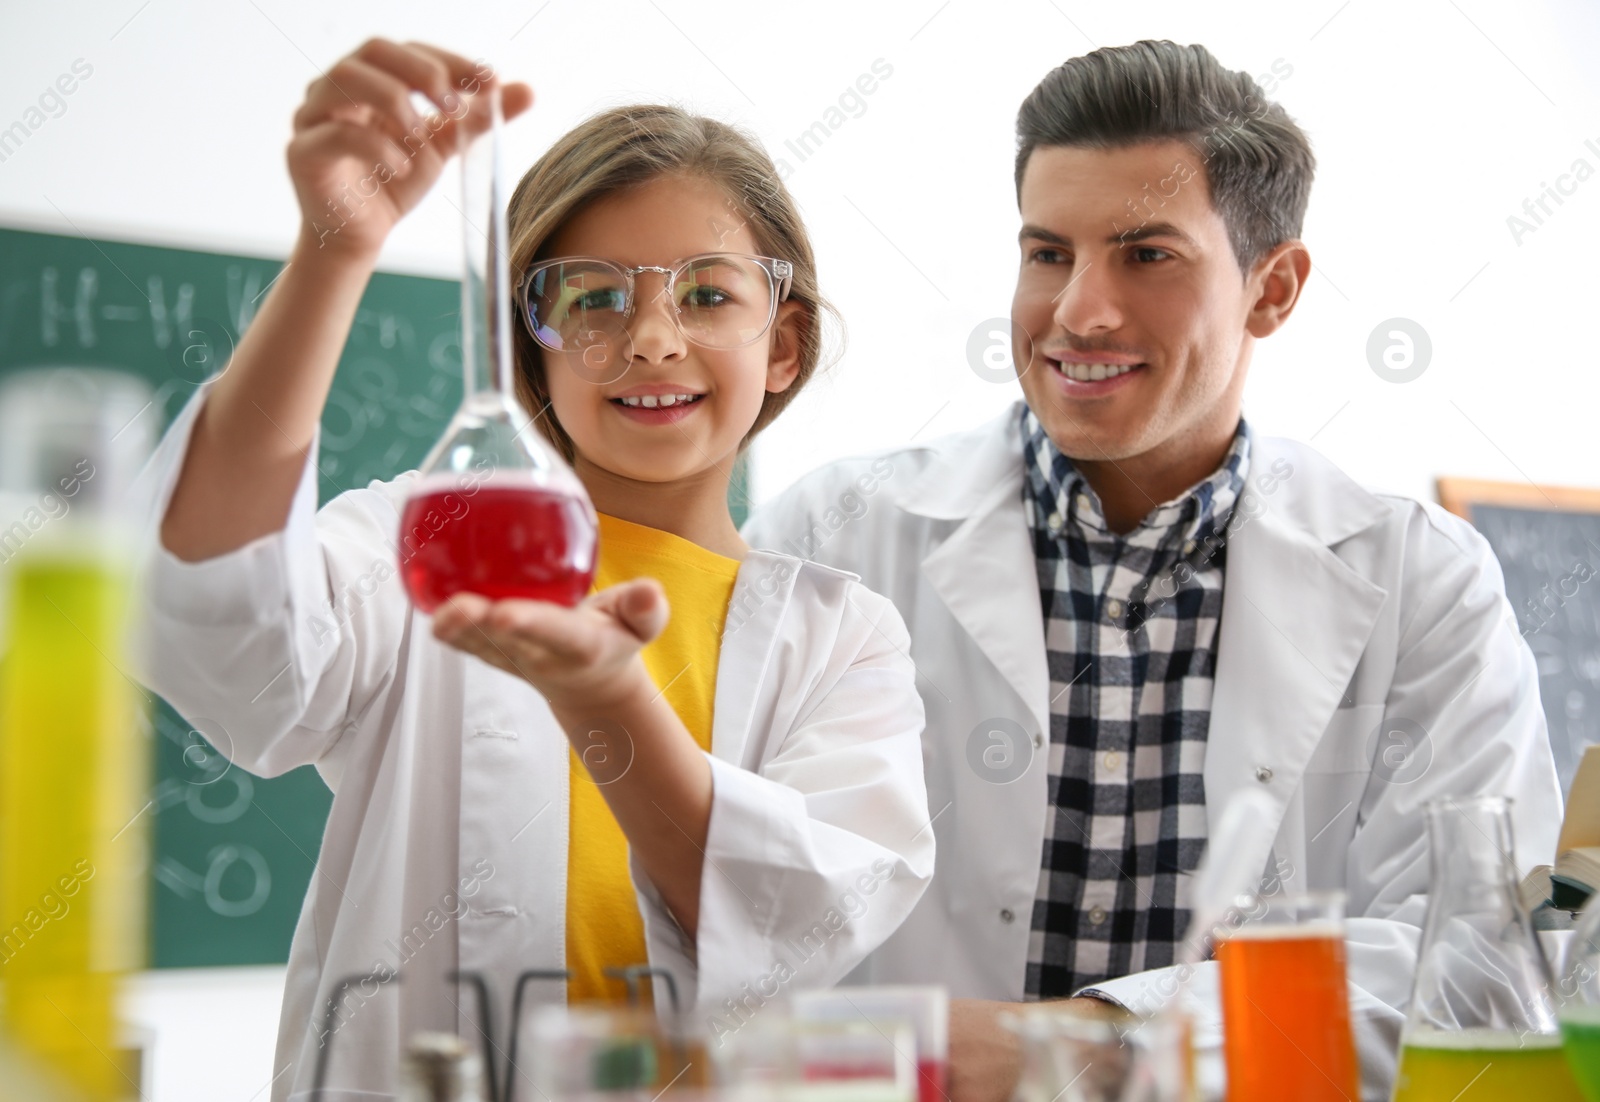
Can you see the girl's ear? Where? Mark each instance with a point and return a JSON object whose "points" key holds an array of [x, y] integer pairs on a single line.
{"points": [[783, 356]]}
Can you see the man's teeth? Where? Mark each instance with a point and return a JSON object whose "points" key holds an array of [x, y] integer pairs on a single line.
{"points": [[651, 401], [1092, 373]]}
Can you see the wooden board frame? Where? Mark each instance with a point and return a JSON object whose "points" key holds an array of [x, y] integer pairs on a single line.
{"points": [[1459, 495]]}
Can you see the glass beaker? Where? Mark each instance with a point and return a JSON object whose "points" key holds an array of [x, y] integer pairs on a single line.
{"points": [[494, 510], [1580, 1007], [1482, 1009], [610, 1054], [925, 1008], [1286, 1002], [1069, 1056], [780, 1058]]}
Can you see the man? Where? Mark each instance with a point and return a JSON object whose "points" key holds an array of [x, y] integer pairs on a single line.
{"points": [[1126, 607]]}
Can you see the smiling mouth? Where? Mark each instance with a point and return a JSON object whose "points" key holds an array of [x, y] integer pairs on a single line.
{"points": [[1091, 372], [657, 401]]}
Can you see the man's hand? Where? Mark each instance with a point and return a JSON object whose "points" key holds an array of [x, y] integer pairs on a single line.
{"points": [[985, 1056]]}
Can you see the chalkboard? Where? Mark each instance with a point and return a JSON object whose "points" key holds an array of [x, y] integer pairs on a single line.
{"points": [[232, 853], [1547, 540]]}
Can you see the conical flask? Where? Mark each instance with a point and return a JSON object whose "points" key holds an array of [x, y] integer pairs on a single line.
{"points": [[1580, 998], [494, 510], [1482, 1013]]}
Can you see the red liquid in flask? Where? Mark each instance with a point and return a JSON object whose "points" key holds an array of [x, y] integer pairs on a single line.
{"points": [[502, 541]]}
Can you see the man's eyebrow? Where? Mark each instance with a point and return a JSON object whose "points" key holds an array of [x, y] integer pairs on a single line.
{"points": [[1125, 237], [1147, 231], [1039, 233]]}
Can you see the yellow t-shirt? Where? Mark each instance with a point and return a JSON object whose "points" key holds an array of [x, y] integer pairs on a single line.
{"points": [[604, 928]]}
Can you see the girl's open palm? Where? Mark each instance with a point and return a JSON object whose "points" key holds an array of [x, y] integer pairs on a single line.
{"points": [[362, 156], [580, 658]]}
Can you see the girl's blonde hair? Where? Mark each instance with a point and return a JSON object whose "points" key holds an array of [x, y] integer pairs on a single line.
{"points": [[629, 146]]}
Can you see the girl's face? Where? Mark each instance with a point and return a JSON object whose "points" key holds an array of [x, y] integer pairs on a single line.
{"points": [[659, 223]]}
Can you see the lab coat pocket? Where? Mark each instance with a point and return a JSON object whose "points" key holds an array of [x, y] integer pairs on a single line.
{"points": [[1335, 778], [1349, 743]]}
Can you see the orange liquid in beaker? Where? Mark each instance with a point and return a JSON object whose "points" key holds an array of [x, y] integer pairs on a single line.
{"points": [[1286, 1016]]}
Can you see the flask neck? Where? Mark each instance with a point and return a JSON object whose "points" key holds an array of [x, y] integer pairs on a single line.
{"points": [[1471, 858], [486, 293]]}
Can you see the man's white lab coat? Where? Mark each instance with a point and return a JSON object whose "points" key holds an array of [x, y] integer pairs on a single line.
{"points": [[1346, 616], [446, 846]]}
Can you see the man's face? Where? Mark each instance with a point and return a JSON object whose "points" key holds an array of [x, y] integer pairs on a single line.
{"points": [[1130, 309]]}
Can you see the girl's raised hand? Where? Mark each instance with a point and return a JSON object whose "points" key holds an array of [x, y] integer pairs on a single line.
{"points": [[584, 659], [362, 156]]}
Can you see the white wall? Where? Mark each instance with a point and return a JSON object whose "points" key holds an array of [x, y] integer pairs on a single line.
{"points": [[1432, 120]]}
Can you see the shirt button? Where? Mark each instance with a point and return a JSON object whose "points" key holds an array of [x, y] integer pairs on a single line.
{"points": [[1084, 504], [1114, 609], [1055, 522], [1097, 916], [1113, 760], [1007, 915], [1263, 774], [1189, 546]]}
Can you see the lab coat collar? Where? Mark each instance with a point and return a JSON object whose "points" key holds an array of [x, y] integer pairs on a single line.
{"points": [[984, 571], [762, 594], [968, 470], [1318, 499]]}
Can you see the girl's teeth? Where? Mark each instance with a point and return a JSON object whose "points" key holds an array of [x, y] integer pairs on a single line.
{"points": [[652, 401], [1093, 373]]}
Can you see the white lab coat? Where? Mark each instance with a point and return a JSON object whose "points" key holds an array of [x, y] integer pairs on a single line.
{"points": [[446, 846], [1342, 610]]}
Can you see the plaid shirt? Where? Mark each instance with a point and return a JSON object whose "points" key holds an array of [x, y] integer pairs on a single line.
{"points": [[1130, 636]]}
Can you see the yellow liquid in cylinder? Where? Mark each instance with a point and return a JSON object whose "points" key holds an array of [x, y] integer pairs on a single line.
{"points": [[1483, 1066], [73, 774]]}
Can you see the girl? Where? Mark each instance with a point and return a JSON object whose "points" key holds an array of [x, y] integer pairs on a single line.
{"points": [[734, 796]]}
